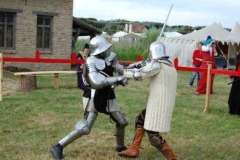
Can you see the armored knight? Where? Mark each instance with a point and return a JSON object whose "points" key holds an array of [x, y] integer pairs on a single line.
{"points": [[157, 116], [98, 73]]}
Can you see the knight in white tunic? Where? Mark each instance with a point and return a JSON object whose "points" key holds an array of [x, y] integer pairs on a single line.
{"points": [[161, 100]]}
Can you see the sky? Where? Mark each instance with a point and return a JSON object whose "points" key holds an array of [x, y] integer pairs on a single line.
{"points": [[184, 12]]}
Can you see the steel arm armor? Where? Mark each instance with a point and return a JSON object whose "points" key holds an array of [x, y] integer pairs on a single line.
{"points": [[149, 70], [138, 64], [118, 67], [96, 78]]}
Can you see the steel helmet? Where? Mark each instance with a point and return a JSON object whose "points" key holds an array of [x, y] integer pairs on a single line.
{"points": [[157, 50], [98, 45]]}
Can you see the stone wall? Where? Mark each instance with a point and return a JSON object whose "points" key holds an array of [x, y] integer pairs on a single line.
{"points": [[26, 31]]}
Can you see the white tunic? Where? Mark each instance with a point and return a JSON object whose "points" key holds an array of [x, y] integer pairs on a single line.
{"points": [[162, 93], [161, 100]]}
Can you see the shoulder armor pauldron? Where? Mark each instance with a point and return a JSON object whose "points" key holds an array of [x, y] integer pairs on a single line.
{"points": [[99, 63]]}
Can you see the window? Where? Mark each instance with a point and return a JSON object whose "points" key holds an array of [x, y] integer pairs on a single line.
{"points": [[7, 25], [44, 25]]}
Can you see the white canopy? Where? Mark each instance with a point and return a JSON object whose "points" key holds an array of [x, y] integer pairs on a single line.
{"points": [[236, 29], [124, 36], [235, 48], [172, 34], [182, 47]]}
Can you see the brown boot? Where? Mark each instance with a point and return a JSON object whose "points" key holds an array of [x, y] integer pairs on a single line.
{"points": [[167, 151], [133, 150]]}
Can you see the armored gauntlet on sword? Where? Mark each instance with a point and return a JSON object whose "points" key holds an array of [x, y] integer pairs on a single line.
{"points": [[133, 70], [137, 65], [114, 81], [106, 81], [149, 70]]}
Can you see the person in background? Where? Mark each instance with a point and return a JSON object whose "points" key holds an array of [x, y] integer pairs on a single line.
{"points": [[234, 95], [157, 116], [98, 72], [197, 60], [208, 57], [82, 55]]}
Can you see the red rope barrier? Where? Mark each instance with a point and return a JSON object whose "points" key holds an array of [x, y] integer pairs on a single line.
{"points": [[74, 60]]}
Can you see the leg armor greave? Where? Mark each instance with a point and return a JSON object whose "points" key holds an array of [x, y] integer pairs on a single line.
{"points": [[121, 123], [83, 127], [155, 139]]}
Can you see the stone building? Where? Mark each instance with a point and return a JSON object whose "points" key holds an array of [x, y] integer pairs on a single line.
{"points": [[45, 25]]}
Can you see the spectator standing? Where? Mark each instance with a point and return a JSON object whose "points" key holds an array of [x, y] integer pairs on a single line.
{"points": [[82, 55], [197, 60], [234, 96], [208, 57]]}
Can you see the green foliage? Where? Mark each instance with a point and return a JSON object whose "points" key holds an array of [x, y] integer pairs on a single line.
{"points": [[94, 22], [128, 51], [86, 19], [151, 36], [99, 25], [114, 28], [32, 122], [106, 25]]}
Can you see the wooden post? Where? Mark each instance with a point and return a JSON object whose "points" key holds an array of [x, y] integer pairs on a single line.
{"points": [[208, 87], [56, 81], [1, 74]]}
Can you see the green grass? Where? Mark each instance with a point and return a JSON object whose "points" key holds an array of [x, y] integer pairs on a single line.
{"points": [[31, 122]]}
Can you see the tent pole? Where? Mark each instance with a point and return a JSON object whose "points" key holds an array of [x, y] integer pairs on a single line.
{"points": [[234, 49], [165, 22], [228, 64]]}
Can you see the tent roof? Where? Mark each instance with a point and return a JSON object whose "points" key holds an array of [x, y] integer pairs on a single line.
{"points": [[172, 34], [120, 34], [236, 29], [216, 31]]}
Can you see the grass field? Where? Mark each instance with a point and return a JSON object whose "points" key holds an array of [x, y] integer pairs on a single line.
{"points": [[32, 122]]}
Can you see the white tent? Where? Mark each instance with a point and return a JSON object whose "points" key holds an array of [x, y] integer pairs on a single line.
{"points": [[172, 34], [182, 47], [124, 36], [116, 37], [236, 29], [235, 48]]}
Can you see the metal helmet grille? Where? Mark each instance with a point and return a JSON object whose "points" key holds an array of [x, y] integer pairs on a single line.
{"points": [[157, 50], [98, 45]]}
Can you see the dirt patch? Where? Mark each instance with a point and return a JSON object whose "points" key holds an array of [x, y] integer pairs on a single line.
{"points": [[10, 86]]}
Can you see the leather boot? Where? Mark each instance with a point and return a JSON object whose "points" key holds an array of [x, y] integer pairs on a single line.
{"points": [[133, 150], [167, 151]]}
